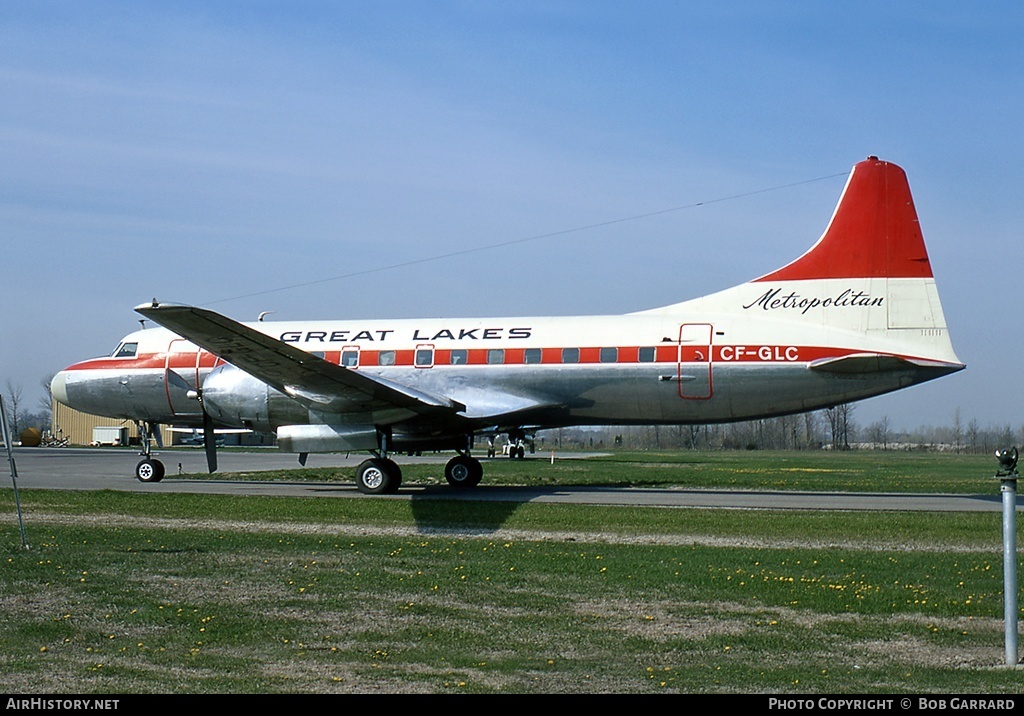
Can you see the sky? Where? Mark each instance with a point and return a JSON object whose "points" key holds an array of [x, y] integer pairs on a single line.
{"points": [[351, 159]]}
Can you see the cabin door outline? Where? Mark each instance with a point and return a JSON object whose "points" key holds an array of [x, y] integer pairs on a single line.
{"points": [[694, 362]]}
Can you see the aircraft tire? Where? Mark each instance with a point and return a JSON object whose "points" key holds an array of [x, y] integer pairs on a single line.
{"points": [[463, 471], [149, 470], [378, 476]]}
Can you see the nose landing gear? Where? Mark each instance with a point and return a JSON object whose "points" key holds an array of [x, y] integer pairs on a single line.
{"points": [[149, 469]]}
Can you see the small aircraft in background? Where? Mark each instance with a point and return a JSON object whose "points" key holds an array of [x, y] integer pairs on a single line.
{"points": [[195, 437], [856, 316]]}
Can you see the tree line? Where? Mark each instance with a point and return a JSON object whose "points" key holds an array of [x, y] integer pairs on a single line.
{"points": [[830, 429]]}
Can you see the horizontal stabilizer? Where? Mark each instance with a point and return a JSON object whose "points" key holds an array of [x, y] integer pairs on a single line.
{"points": [[877, 363]]}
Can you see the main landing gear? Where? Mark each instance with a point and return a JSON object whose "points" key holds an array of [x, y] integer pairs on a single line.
{"points": [[463, 471], [515, 448], [380, 475]]}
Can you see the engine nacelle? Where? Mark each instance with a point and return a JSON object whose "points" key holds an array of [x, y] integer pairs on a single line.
{"points": [[327, 438], [234, 397]]}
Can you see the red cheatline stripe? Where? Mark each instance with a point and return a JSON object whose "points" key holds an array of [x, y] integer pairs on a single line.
{"points": [[585, 355]]}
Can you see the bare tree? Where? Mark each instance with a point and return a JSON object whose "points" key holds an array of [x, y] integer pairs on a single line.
{"points": [[878, 431], [810, 429], [694, 436], [46, 401], [840, 424], [14, 393], [973, 430]]}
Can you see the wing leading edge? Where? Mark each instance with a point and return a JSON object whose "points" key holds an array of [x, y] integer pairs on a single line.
{"points": [[308, 379]]}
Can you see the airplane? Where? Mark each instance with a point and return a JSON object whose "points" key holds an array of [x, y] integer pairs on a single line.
{"points": [[856, 316]]}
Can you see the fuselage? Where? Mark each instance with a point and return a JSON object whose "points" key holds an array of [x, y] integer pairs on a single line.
{"points": [[660, 367]]}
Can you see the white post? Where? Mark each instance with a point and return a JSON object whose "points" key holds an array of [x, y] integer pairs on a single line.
{"points": [[1007, 475], [1008, 488]]}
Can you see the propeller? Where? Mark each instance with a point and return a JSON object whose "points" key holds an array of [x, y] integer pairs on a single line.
{"points": [[209, 440], [209, 433], [154, 430]]}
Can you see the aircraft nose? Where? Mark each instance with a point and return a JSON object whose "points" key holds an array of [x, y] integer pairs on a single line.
{"points": [[59, 387]]}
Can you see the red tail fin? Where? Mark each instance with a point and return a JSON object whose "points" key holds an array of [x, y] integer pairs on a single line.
{"points": [[874, 232]]}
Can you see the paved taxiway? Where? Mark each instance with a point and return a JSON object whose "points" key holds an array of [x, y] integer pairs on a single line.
{"points": [[113, 469]]}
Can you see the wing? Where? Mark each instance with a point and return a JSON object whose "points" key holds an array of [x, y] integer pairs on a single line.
{"points": [[308, 379]]}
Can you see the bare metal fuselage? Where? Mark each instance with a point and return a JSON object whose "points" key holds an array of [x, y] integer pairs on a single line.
{"points": [[507, 373]]}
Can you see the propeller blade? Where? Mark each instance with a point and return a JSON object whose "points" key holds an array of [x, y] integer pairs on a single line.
{"points": [[209, 442], [154, 429]]}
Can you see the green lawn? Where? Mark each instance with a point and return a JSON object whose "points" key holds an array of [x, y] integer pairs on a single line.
{"points": [[852, 471], [127, 593]]}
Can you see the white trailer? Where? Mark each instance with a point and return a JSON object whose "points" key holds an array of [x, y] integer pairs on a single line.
{"points": [[109, 435]]}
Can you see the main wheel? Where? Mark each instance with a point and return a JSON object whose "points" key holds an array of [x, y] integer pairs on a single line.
{"points": [[378, 476], [149, 470], [463, 471]]}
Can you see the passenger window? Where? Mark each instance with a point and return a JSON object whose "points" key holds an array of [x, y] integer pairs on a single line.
{"points": [[318, 354], [126, 350], [424, 357], [458, 357], [350, 359], [386, 358], [496, 356], [570, 355], [609, 355], [532, 355], [647, 355]]}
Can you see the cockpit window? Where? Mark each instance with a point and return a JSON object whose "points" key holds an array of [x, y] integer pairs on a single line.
{"points": [[126, 350]]}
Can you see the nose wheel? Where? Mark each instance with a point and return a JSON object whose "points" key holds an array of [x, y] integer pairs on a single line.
{"points": [[149, 470]]}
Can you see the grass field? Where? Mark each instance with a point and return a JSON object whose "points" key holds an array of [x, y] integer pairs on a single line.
{"points": [[127, 593], [851, 471]]}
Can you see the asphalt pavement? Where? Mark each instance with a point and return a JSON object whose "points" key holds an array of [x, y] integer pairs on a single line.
{"points": [[113, 469]]}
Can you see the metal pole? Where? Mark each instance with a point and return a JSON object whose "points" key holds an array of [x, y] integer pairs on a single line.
{"points": [[1007, 475], [5, 432], [1008, 488]]}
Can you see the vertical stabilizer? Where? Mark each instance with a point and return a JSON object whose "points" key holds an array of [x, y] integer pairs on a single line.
{"points": [[874, 232], [865, 285]]}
